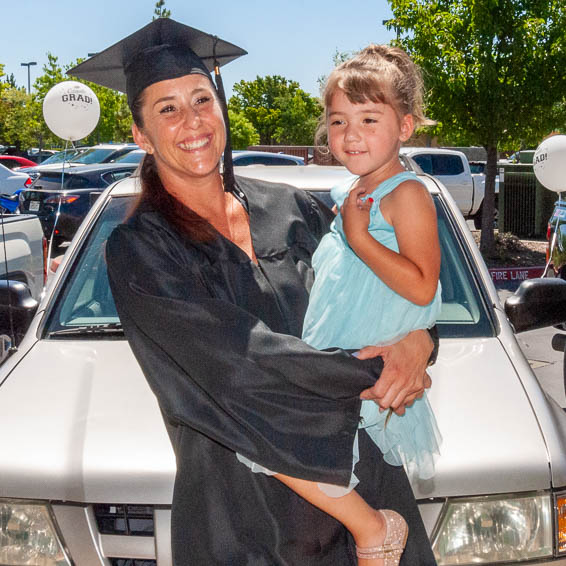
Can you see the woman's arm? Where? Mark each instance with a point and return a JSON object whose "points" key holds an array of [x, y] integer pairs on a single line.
{"points": [[413, 272]]}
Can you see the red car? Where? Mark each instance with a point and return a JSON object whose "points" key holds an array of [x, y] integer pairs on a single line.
{"points": [[13, 161]]}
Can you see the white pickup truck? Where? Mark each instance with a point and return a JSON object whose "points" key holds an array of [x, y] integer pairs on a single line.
{"points": [[452, 168], [22, 274]]}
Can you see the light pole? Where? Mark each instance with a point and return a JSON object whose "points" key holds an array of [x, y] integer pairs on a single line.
{"points": [[28, 65]]}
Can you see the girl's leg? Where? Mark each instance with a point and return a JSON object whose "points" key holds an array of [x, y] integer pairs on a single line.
{"points": [[366, 525]]}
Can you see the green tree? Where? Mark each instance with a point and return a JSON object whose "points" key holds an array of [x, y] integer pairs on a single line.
{"points": [[494, 71], [280, 111], [18, 126], [299, 118], [242, 131], [160, 11], [52, 74]]}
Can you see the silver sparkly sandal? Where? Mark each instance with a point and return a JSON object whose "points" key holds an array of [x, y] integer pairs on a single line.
{"points": [[396, 533]]}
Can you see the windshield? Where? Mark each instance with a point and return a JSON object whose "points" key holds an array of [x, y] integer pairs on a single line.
{"points": [[61, 156], [93, 155], [131, 157], [85, 301]]}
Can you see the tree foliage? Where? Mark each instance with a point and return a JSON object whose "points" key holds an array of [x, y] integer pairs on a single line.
{"points": [[494, 71], [280, 111], [242, 130], [160, 11]]}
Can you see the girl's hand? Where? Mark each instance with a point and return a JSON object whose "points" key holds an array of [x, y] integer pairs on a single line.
{"points": [[404, 377], [355, 215]]}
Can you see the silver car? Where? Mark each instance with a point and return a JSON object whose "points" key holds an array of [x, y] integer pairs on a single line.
{"points": [[86, 466]]}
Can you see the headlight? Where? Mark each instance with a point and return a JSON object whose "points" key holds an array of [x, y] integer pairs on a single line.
{"points": [[28, 536], [487, 530]]}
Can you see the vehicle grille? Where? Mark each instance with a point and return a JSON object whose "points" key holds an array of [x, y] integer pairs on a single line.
{"points": [[128, 520], [131, 562]]}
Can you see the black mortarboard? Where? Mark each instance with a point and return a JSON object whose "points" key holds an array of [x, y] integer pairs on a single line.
{"points": [[162, 50]]}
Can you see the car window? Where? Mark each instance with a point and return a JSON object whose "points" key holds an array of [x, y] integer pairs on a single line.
{"points": [[424, 162], [10, 163], [477, 167], [130, 157], [62, 156], [85, 298], [446, 164], [113, 176], [262, 160], [92, 155], [52, 181]]}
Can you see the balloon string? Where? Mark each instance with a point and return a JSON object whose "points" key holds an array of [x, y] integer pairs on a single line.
{"points": [[61, 194]]}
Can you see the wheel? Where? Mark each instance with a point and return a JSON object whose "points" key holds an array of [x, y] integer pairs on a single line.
{"points": [[478, 215]]}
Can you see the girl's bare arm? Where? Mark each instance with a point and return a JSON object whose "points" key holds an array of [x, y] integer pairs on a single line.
{"points": [[414, 271]]}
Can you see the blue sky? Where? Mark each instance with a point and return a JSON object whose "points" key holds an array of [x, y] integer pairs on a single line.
{"points": [[292, 38]]}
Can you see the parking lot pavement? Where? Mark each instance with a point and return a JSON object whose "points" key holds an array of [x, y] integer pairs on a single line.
{"points": [[546, 362]]}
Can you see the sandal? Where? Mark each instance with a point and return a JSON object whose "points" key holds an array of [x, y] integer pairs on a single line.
{"points": [[396, 533]]}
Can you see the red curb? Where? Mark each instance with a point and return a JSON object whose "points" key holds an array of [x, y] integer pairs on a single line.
{"points": [[515, 273]]}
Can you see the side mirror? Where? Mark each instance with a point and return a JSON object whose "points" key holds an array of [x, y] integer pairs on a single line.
{"points": [[537, 303], [15, 296]]}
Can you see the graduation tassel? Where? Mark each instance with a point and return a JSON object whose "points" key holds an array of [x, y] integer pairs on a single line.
{"points": [[229, 181]]}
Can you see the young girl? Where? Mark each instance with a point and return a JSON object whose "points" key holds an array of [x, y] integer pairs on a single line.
{"points": [[376, 273]]}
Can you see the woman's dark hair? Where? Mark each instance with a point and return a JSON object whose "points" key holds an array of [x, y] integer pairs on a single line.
{"points": [[154, 194]]}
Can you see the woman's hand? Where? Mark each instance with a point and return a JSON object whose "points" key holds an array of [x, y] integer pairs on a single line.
{"points": [[355, 215], [404, 377]]}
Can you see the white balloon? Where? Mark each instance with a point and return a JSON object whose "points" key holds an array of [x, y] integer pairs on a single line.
{"points": [[71, 110], [549, 163]]}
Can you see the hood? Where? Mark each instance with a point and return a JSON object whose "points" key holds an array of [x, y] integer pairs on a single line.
{"points": [[492, 441], [79, 423]]}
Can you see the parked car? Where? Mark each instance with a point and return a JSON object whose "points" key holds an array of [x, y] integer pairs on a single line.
{"points": [[69, 201], [101, 153], [15, 161], [87, 467], [239, 157], [245, 157], [11, 181], [64, 155], [39, 155]]}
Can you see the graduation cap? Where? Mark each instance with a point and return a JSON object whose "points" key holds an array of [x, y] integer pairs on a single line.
{"points": [[162, 50]]}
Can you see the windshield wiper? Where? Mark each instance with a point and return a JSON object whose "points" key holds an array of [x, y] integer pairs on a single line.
{"points": [[90, 330]]}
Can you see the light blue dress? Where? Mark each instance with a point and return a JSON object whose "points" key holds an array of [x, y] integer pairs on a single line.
{"points": [[350, 307]]}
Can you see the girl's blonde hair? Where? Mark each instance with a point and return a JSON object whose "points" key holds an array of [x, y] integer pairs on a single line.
{"points": [[378, 73]]}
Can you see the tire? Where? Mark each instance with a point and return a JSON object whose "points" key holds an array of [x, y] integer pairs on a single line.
{"points": [[478, 215]]}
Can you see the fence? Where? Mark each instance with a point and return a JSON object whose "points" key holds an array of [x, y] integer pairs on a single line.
{"points": [[525, 206]]}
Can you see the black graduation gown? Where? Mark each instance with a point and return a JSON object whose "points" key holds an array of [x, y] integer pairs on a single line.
{"points": [[217, 338]]}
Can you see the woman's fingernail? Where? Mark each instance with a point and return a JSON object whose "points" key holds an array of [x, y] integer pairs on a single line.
{"points": [[370, 199]]}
